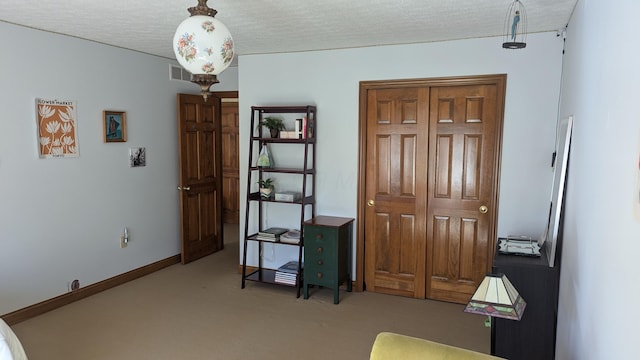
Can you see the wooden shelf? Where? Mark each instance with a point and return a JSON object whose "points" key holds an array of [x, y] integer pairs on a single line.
{"points": [[269, 276], [309, 200], [283, 170], [306, 174], [254, 237], [283, 141]]}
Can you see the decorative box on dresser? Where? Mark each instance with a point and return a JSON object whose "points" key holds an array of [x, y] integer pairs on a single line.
{"points": [[327, 253], [534, 336]]}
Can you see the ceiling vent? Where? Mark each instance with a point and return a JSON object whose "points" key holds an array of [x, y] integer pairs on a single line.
{"points": [[178, 73]]}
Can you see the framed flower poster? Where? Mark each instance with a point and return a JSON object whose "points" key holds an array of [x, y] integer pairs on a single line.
{"points": [[57, 128], [114, 124]]}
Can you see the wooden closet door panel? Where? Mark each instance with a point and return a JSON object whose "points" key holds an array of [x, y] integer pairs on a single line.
{"points": [[420, 207], [463, 123], [396, 191]]}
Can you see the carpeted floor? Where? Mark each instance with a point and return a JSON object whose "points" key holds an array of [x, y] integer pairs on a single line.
{"points": [[199, 311]]}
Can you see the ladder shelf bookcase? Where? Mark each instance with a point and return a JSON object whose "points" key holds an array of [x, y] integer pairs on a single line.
{"points": [[304, 174]]}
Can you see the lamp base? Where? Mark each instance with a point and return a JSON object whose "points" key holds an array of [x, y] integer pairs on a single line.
{"points": [[514, 45], [205, 81]]}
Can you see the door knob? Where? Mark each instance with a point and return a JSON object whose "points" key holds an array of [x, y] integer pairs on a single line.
{"points": [[186, 188], [371, 203], [483, 209]]}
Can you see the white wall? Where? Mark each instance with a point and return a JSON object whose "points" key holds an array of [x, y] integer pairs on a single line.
{"points": [[598, 314], [330, 80], [60, 219]]}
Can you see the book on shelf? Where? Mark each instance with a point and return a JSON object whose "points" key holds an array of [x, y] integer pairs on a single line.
{"points": [[290, 267], [285, 276], [291, 237], [298, 128], [271, 233], [304, 128], [288, 282], [287, 273], [308, 128]]}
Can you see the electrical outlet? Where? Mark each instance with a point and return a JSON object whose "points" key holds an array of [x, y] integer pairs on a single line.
{"points": [[123, 241], [74, 285]]}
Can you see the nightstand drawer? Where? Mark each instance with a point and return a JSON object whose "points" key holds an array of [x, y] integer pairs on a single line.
{"points": [[320, 240], [326, 251], [321, 277]]}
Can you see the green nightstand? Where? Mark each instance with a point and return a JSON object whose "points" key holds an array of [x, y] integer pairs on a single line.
{"points": [[327, 253]]}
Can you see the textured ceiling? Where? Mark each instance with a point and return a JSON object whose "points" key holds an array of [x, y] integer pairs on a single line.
{"points": [[265, 26]]}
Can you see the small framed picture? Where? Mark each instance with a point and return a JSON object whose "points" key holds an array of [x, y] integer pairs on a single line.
{"points": [[114, 124], [137, 157]]}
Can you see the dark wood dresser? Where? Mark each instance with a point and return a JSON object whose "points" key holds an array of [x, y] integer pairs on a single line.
{"points": [[534, 336]]}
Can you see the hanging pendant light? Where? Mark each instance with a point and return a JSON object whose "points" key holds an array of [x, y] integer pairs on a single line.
{"points": [[515, 27], [203, 46]]}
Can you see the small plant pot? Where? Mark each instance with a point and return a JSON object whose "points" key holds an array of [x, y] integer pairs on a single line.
{"points": [[274, 132], [266, 193]]}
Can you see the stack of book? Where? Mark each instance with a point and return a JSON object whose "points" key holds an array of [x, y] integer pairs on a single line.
{"points": [[291, 237], [271, 234], [304, 128], [286, 274]]}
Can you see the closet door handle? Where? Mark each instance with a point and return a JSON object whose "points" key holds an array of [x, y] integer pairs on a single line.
{"points": [[483, 209], [186, 188]]}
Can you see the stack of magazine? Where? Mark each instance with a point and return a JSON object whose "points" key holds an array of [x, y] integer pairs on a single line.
{"points": [[271, 234], [291, 237], [286, 274]]}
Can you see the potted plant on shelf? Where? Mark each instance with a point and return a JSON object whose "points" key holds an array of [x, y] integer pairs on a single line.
{"points": [[274, 124], [266, 187]]}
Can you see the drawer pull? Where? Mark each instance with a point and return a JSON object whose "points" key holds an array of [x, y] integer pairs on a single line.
{"points": [[319, 275], [319, 236], [320, 262], [319, 250]]}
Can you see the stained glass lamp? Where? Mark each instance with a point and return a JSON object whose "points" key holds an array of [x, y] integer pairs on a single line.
{"points": [[497, 297]]}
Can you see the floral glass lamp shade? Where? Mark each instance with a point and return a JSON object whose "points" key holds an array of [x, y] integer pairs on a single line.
{"points": [[497, 297], [515, 27], [203, 46]]}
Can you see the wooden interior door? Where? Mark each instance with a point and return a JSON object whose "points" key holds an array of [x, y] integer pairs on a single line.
{"points": [[428, 170], [230, 157], [397, 124], [199, 129], [464, 128]]}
